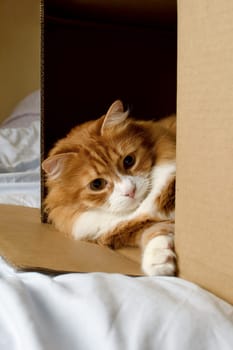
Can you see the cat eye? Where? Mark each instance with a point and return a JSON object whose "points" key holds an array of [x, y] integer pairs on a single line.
{"points": [[129, 161], [98, 184]]}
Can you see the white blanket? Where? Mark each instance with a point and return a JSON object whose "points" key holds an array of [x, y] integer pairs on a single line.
{"points": [[93, 311], [100, 311]]}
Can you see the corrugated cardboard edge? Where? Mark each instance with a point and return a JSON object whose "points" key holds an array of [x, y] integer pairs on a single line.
{"points": [[28, 244]]}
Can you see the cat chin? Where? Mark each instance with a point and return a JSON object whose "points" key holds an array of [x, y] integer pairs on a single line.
{"points": [[122, 212], [123, 208]]}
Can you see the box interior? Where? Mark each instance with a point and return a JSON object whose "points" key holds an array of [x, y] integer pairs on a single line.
{"points": [[94, 54]]}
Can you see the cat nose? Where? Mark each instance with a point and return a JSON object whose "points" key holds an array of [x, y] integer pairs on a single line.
{"points": [[131, 192]]}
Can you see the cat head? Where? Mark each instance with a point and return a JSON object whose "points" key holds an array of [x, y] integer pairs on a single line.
{"points": [[103, 164]]}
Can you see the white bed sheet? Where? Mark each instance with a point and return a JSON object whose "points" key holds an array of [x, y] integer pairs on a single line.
{"points": [[96, 310], [100, 311], [20, 160]]}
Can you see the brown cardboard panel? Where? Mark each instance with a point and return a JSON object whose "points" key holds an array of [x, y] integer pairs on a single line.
{"points": [[28, 244], [204, 204]]}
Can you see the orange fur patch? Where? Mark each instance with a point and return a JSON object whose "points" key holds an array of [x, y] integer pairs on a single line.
{"points": [[158, 229]]}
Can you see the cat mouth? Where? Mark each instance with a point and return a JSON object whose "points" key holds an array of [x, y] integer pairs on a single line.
{"points": [[133, 203], [126, 206]]}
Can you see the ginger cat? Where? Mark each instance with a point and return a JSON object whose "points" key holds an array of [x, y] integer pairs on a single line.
{"points": [[112, 181]]}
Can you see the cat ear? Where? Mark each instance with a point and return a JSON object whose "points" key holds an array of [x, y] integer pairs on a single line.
{"points": [[53, 165], [114, 116]]}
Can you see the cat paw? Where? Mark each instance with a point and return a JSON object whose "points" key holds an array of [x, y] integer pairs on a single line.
{"points": [[159, 258]]}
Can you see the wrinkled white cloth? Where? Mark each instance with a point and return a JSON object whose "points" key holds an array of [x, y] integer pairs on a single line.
{"points": [[99, 311], [20, 165], [25, 112]]}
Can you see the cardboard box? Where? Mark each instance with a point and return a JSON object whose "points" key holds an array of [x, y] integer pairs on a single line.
{"points": [[30, 245], [204, 201], [146, 78], [92, 54]]}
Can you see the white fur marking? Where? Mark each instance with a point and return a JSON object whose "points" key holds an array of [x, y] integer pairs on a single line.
{"points": [[93, 223], [158, 257], [160, 176]]}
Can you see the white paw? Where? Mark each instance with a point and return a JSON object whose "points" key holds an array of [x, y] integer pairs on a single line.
{"points": [[159, 258]]}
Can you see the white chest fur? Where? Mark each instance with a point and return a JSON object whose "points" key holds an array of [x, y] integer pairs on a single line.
{"points": [[94, 223], [160, 176]]}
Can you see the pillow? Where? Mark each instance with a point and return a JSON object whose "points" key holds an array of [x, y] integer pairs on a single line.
{"points": [[26, 112], [20, 148]]}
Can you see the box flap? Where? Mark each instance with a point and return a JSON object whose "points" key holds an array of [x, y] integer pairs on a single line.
{"points": [[28, 244], [204, 200]]}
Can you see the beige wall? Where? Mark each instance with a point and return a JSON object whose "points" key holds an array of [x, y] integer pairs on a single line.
{"points": [[19, 51]]}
